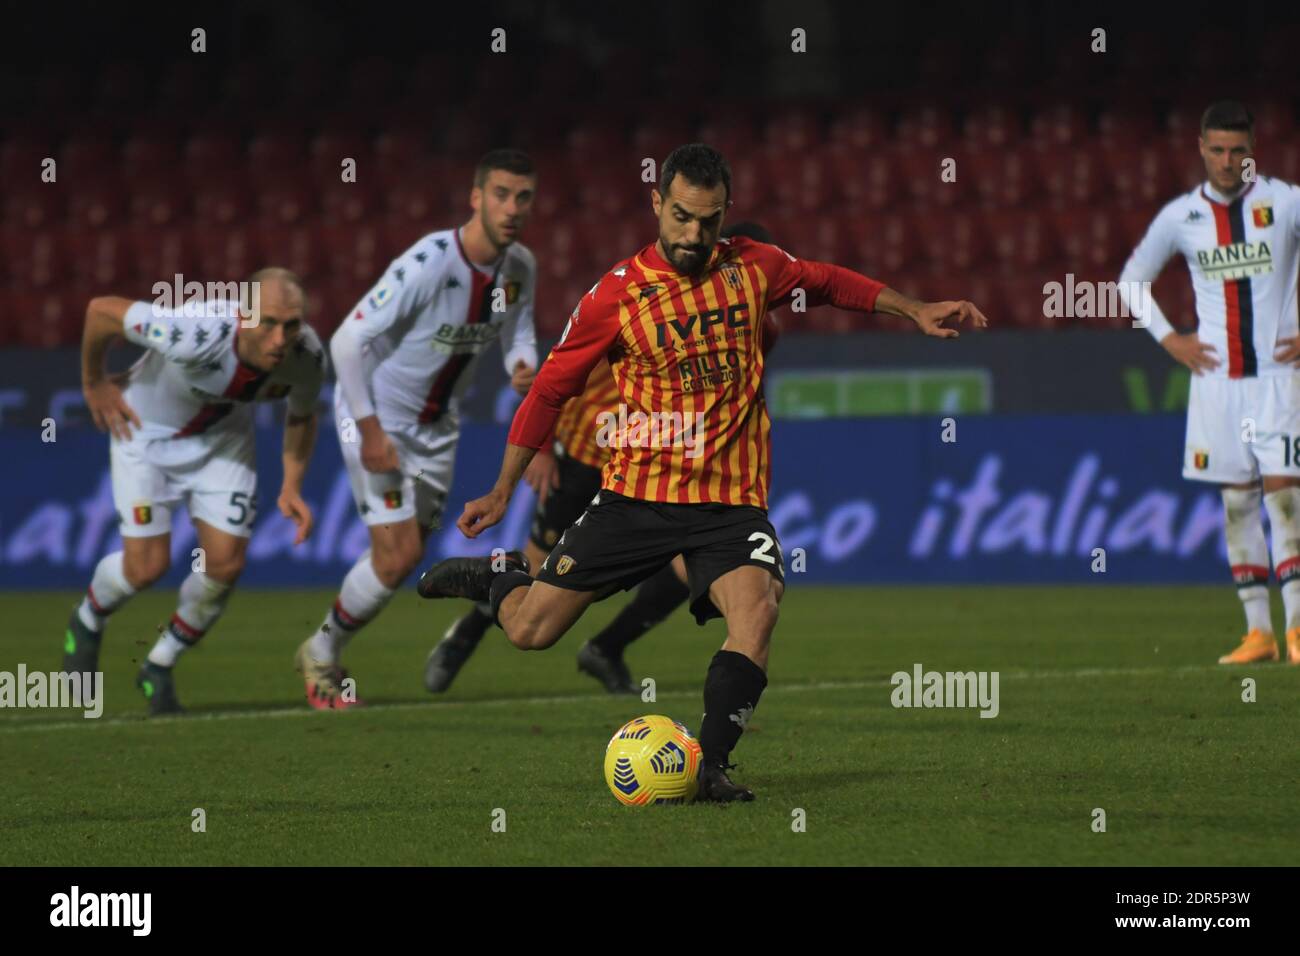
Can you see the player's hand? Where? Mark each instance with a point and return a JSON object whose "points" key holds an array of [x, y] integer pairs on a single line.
{"points": [[482, 513], [296, 510], [378, 453], [542, 475], [1288, 351], [522, 378], [109, 409], [931, 316], [1188, 349]]}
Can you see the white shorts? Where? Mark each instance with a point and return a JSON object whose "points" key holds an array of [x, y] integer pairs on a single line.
{"points": [[215, 478], [419, 488], [1239, 429]]}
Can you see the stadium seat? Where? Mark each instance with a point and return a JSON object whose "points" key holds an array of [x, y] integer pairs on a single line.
{"points": [[286, 202], [50, 319], [212, 157], [160, 202], [297, 248], [350, 202], [33, 204], [224, 255], [224, 204], [800, 180], [161, 254], [1006, 177], [85, 156], [1143, 177], [97, 203], [276, 156], [328, 149], [881, 247], [857, 128], [1091, 238], [992, 126], [145, 157], [926, 126], [1020, 241], [101, 259], [1060, 124], [1070, 176]]}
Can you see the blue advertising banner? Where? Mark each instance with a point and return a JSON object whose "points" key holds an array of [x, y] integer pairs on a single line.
{"points": [[855, 501]]}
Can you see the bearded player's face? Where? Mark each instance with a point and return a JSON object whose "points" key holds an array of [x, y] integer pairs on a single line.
{"points": [[503, 203], [690, 221]]}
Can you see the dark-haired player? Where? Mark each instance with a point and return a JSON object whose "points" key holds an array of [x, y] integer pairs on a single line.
{"points": [[681, 324], [403, 357], [1240, 235], [565, 474]]}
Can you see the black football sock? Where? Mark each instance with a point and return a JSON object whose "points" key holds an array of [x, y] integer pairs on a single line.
{"points": [[503, 584], [656, 598], [470, 628], [731, 692]]}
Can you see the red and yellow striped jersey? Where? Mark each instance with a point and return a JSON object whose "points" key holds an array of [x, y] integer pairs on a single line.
{"points": [[691, 425], [579, 423]]}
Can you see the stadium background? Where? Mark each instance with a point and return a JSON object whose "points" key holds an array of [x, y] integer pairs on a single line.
{"points": [[1068, 430]]}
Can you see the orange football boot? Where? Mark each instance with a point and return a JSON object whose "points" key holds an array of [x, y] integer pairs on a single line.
{"points": [[1255, 647]]}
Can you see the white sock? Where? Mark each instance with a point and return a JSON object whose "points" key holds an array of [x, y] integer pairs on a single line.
{"points": [[1248, 555], [202, 599], [1284, 518], [360, 599], [108, 591]]}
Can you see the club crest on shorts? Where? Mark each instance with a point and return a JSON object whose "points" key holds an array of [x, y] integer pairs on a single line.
{"points": [[142, 512], [564, 565], [1201, 460], [393, 499]]}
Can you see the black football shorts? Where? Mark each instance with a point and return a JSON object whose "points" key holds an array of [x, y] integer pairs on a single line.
{"points": [[577, 485], [618, 542]]}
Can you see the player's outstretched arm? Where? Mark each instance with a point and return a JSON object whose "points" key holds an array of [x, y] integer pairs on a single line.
{"points": [[931, 316], [105, 322], [299, 442]]}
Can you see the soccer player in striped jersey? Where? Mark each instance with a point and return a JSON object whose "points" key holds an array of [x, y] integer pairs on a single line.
{"points": [[403, 357], [1240, 235], [565, 474], [680, 322], [189, 399]]}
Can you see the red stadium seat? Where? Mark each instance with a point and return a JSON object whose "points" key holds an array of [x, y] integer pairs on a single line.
{"points": [[21, 159], [224, 255], [161, 254], [50, 319], [224, 204], [1020, 240], [1091, 239], [610, 191], [1069, 176], [1004, 177], [800, 180], [97, 203], [865, 180], [1125, 128], [297, 248], [732, 137], [357, 252], [926, 126], [957, 241], [656, 140], [880, 247], [33, 204], [144, 157], [102, 259], [1143, 177], [992, 127], [1061, 124], [276, 156], [858, 128], [159, 202], [350, 202], [793, 129], [85, 156], [212, 157], [286, 202], [396, 151], [328, 150]]}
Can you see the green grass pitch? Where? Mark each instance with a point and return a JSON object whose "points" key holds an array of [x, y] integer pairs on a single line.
{"points": [[1109, 699]]}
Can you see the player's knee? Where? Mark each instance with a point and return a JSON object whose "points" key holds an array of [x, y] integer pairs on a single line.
{"points": [[144, 569], [394, 562], [529, 633], [769, 609], [227, 568]]}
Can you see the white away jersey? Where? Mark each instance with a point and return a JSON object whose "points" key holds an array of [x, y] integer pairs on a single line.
{"points": [[431, 314], [1243, 260], [191, 381]]}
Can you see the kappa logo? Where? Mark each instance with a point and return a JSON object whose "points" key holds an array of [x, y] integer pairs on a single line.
{"points": [[1194, 216], [564, 565]]}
